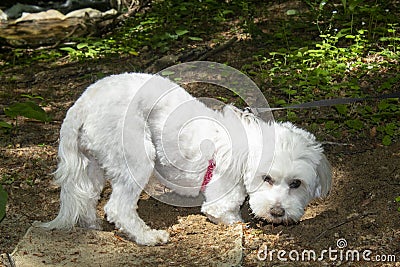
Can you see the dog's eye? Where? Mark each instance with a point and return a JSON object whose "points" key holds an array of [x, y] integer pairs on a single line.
{"points": [[295, 184], [268, 179]]}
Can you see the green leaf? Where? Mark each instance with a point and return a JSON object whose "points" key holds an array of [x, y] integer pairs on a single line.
{"points": [[181, 32], [68, 49], [390, 129], [344, 3], [330, 125], [387, 140], [355, 124], [361, 31], [292, 12], [82, 45], [133, 52], [195, 38], [32, 96], [353, 4], [3, 202], [28, 110], [383, 104], [280, 102], [341, 109], [167, 73], [4, 124], [398, 199]]}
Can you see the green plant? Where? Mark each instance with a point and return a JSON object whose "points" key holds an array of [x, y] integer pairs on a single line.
{"points": [[8, 179], [331, 69], [27, 109], [164, 24], [398, 201], [392, 40], [3, 202], [96, 48]]}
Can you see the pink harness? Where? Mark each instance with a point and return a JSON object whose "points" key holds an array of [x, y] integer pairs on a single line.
{"points": [[208, 175]]}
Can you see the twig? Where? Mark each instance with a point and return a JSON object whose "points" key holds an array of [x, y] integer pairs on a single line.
{"points": [[76, 27], [218, 49], [124, 16], [336, 144], [356, 152], [365, 214]]}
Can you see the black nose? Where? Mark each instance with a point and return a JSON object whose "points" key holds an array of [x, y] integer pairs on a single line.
{"points": [[277, 211]]}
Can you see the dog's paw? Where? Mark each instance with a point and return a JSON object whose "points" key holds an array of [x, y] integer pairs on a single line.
{"points": [[227, 219], [152, 237], [95, 225]]}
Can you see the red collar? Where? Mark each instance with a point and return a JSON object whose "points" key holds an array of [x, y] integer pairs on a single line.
{"points": [[208, 175]]}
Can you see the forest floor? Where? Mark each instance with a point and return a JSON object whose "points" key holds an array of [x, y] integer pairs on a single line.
{"points": [[361, 208]]}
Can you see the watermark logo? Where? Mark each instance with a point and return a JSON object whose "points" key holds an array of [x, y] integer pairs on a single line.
{"points": [[341, 243], [339, 253]]}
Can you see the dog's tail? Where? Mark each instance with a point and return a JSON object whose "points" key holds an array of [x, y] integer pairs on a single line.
{"points": [[78, 191]]}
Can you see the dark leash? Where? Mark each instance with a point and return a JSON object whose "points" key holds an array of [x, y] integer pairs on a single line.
{"points": [[330, 102]]}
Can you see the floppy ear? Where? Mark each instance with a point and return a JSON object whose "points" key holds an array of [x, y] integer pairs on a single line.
{"points": [[324, 176]]}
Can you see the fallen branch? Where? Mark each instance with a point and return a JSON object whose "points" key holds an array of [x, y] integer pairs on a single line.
{"points": [[65, 38], [218, 49], [199, 54]]}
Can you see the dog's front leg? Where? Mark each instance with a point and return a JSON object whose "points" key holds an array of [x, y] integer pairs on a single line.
{"points": [[223, 201], [121, 210], [127, 185]]}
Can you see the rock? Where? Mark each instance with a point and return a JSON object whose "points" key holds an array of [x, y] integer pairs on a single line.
{"points": [[53, 14], [3, 16], [50, 14], [80, 13], [91, 13]]}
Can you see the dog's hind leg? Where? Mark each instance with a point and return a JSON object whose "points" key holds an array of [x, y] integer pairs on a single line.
{"points": [[78, 200], [81, 180], [88, 217]]}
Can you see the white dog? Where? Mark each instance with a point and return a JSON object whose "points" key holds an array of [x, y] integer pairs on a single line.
{"points": [[125, 127]]}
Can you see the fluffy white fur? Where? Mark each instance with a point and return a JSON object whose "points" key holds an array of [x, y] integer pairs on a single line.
{"points": [[125, 127]]}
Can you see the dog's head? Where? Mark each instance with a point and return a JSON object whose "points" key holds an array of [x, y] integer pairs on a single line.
{"points": [[299, 172]]}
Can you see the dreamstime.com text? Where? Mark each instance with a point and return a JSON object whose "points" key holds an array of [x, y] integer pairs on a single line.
{"points": [[340, 253]]}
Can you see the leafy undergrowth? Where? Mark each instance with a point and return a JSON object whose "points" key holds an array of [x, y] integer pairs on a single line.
{"points": [[299, 52], [352, 57], [326, 71]]}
